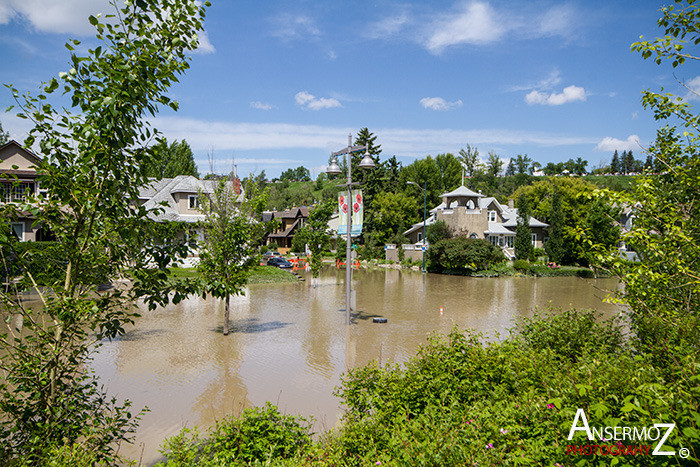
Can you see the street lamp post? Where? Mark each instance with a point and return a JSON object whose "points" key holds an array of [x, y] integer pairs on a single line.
{"points": [[334, 169], [424, 189]]}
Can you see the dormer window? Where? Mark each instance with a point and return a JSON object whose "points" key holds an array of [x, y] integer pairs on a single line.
{"points": [[493, 216], [193, 201]]}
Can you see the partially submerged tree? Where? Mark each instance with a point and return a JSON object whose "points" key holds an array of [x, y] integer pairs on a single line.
{"points": [[91, 171], [232, 234]]}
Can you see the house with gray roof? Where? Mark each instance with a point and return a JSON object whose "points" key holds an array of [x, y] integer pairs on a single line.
{"points": [[472, 214], [177, 200]]}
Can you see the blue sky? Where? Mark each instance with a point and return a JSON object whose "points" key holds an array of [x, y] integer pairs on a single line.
{"points": [[277, 84]]}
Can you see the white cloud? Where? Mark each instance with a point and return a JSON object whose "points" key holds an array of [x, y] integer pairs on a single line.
{"points": [[65, 16], [261, 105], [204, 46], [311, 102], [610, 144], [569, 94], [476, 24], [548, 82], [438, 103], [557, 21], [409, 142], [693, 89], [289, 27], [387, 27]]}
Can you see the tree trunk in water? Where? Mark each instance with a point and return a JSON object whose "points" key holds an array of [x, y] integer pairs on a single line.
{"points": [[226, 315]]}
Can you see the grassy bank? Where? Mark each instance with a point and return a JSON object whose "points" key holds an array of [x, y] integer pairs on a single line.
{"points": [[260, 275]]}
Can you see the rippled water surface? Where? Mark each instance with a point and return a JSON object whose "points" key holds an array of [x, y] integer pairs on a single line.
{"points": [[289, 343]]}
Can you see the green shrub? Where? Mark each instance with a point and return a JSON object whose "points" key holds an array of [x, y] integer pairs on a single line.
{"points": [[260, 434], [462, 255], [521, 265]]}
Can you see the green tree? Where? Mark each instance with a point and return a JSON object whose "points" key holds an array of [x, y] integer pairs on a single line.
{"points": [[510, 169], [523, 235], [470, 159], [602, 228], [171, 160], [663, 290], [627, 162], [494, 164], [91, 171], [4, 135], [555, 245], [575, 202], [232, 233], [394, 214], [615, 165], [522, 163]]}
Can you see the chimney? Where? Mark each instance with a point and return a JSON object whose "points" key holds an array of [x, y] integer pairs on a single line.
{"points": [[511, 203]]}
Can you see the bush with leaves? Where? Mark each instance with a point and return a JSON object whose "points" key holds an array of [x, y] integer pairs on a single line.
{"points": [[258, 435], [462, 255]]}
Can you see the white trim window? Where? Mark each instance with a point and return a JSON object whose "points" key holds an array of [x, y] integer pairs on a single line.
{"points": [[493, 239], [18, 230], [534, 239], [493, 216], [193, 201], [510, 241]]}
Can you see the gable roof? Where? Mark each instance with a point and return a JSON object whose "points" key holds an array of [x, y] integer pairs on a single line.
{"points": [[13, 148], [159, 195], [461, 191]]}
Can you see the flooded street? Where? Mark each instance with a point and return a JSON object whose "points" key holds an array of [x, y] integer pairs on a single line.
{"points": [[289, 343]]}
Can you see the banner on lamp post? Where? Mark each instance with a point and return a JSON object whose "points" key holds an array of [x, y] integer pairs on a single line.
{"points": [[356, 204]]}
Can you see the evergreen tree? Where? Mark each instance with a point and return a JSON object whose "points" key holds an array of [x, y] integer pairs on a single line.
{"points": [[555, 246], [510, 169], [615, 166], [523, 235], [649, 164], [371, 180], [4, 136], [627, 162]]}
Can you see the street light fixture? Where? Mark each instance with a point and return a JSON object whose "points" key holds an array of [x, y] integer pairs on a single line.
{"points": [[334, 169], [424, 189]]}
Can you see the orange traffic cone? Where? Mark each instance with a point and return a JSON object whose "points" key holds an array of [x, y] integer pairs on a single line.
{"points": [[440, 311]]}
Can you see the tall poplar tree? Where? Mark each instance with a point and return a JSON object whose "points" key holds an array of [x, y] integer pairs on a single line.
{"points": [[523, 234], [555, 245]]}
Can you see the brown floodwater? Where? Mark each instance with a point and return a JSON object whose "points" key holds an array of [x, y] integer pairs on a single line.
{"points": [[289, 343]]}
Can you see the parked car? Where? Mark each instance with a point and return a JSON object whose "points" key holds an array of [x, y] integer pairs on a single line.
{"points": [[271, 254], [279, 262]]}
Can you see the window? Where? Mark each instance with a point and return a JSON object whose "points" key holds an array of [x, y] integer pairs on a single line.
{"points": [[493, 239], [492, 216], [16, 191], [193, 201], [510, 241], [534, 239], [473, 235], [420, 236], [18, 230]]}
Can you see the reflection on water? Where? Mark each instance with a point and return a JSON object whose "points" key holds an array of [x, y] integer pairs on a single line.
{"points": [[289, 343]]}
